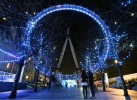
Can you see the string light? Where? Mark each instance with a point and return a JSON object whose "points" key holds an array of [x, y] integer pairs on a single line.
{"points": [[126, 3], [32, 23], [110, 47], [95, 63], [8, 54], [8, 61]]}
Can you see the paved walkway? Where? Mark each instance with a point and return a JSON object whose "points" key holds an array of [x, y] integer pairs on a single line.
{"points": [[70, 93]]}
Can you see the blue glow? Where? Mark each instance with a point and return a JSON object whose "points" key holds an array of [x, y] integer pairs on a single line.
{"points": [[11, 55], [6, 77], [31, 25], [69, 83], [7, 61], [126, 3], [8, 54]]}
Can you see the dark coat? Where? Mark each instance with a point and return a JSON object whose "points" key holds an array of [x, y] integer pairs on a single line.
{"points": [[84, 77], [91, 79]]}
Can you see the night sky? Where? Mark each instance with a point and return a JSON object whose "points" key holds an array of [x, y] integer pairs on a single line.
{"points": [[83, 30]]}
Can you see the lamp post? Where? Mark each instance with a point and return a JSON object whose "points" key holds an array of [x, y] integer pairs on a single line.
{"points": [[121, 76], [103, 82]]}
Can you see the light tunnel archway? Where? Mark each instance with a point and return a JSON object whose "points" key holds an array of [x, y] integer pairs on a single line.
{"points": [[31, 25]]}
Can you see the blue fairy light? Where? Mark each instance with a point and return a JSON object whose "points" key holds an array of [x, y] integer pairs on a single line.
{"points": [[8, 53], [126, 3], [32, 23]]}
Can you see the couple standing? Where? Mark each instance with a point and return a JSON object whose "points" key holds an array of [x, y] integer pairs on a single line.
{"points": [[90, 82]]}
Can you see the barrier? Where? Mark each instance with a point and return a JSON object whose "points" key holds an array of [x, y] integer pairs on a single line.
{"points": [[7, 86]]}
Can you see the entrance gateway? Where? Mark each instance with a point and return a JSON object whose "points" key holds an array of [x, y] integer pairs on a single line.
{"points": [[107, 35]]}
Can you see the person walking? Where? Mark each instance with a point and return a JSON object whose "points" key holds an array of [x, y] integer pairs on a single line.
{"points": [[91, 83], [84, 83]]}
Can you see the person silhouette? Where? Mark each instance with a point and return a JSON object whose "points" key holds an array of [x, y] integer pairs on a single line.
{"points": [[91, 83], [84, 83]]}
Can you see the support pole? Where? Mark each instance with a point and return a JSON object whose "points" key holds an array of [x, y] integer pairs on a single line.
{"points": [[73, 53], [15, 85], [36, 80], [103, 82], [122, 79], [102, 77]]}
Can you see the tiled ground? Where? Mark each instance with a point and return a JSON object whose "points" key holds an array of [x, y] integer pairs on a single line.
{"points": [[70, 93]]}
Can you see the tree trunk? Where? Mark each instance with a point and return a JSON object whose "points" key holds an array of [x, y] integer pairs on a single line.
{"points": [[122, 79], [17, 77]]}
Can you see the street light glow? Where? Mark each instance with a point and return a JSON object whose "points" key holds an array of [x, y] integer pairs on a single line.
{"points": [[116, 61], [131, 45], [115, 23], [27, 77], [4, 18], [132, 14]]}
